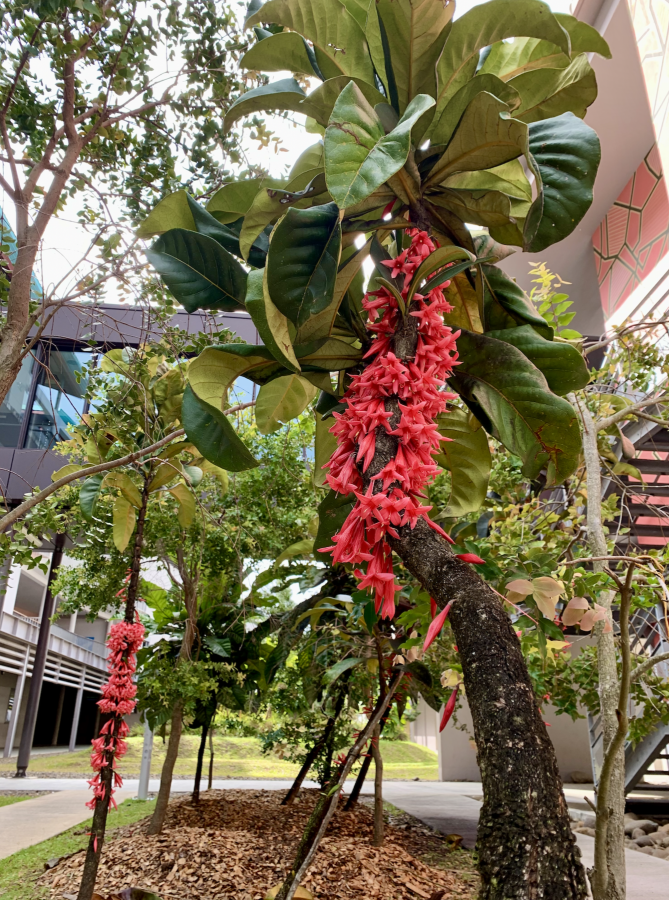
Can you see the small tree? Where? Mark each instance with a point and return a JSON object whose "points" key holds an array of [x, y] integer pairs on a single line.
{"points": [[423, 129], [88, 115]]}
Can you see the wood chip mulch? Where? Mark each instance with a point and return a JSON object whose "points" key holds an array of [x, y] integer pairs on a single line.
{"points": [[236, 845]]}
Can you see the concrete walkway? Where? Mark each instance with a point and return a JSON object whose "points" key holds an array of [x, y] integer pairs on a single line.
{"points": [[31, 821], [449, 807]]}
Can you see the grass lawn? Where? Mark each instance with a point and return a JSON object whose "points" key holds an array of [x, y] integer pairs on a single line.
{"points": [[19, 871], [234, 757], [15, 798]]}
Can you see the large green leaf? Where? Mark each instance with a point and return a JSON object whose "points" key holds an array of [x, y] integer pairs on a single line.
{"points": [[303, 260], [484, 25], [198, 271], [339, 43], [561, 364], [281, 400], [213, 435], [187, 507], [547, 93], [564, 155], [509, 178], [465, 302], [285, 94], [488, 208], [325, 444], [233, 200], [506, 59], [466, 455], [306, 188], [332, 513], [416, 31], [226, 236], [173, 211], [359, 155], [531, 421], [123, 519], [88, 495], [506, 304], [331, 355], [486, 136], [214, 371], [323, 98], [442, 129], [584, 38], [271, 323], [286, 51]]}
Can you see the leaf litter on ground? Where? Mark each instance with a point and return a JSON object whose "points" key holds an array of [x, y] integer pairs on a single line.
{"points": [[237, 845]]}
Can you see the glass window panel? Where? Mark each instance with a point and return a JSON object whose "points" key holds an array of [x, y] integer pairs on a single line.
{"points": [[59, 399], [14, 405]]}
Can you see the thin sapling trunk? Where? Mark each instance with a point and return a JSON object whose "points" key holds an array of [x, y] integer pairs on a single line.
{"points": [[379, 827], [211, 759], [200, 760]]}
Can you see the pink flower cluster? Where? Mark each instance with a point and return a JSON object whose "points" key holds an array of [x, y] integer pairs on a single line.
{"points": [[393, 497], [118, 700]]}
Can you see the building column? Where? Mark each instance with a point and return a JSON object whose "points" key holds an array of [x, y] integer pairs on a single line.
{"points": [[28, 731], [145, 769], [16, 709], [77, 712]]}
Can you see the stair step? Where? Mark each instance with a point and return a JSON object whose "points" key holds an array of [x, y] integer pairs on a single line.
{"points": [[656, 490], [647, 531], [647, 509], [652, 466]]}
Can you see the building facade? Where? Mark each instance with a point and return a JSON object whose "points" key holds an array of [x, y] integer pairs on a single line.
{"points": [[47, 396]]}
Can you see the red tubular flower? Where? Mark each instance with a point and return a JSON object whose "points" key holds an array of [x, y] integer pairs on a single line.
{"points": [[448, 709], [125, 639], [471, 558], [391, 500], [436, 625]]}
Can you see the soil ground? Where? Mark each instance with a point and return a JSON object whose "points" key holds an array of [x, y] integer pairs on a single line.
{"points": [[234, 757], [236, 845]]}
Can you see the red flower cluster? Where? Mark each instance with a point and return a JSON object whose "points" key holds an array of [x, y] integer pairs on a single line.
{"points": [[392, 498], [118, 699]]}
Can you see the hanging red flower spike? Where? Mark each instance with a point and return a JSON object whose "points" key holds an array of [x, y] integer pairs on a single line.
{"points": [[392, 499], [448, 709], [118, 700]]}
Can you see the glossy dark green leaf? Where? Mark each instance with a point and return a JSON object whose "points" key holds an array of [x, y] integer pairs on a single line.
{"points": [[285, 94], [532, 422], [466, 456], [271, 323], [213, 435], [564, 155], [88, 495], [303, 260], [332, 512], [562, 365], [198, 271], [547, 93], [506, 304], [214, 371], [226, 235], [442, 129]]}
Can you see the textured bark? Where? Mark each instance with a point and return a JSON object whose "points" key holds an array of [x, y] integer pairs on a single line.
{"points": [[611, 828], [211, 759], [379, 827], [526, 847], [97, 837], [163, 798]]}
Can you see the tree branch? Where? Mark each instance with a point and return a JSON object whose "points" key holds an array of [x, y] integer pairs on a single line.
{"points": [[633, 409], [644, 667], [30, 502]]}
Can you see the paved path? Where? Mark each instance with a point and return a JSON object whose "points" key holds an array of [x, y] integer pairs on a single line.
{"points": [[31, 821], [450, 807]]}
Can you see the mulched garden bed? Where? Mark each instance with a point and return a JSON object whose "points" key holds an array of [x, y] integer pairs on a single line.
{"points": [[237, 844]]}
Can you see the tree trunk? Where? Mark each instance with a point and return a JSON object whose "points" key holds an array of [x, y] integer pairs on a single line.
{"points": [[364, 768], [328, 731], [200, 758], [211, 759], [612, 884], [379, 827], [163, 798], [525, 844], [98, 828], [328, 800]]}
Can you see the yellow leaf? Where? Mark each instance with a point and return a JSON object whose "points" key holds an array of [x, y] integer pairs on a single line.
{"points": [[165, 473], [66, 470], [126, 486], [548, 586], [186, 500], [552, 646], [124, 517]]}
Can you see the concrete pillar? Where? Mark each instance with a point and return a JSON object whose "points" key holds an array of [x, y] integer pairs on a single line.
{"points": [[41, 650], [73, 623], [16, 709], [145, 769], [77, 712]]}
